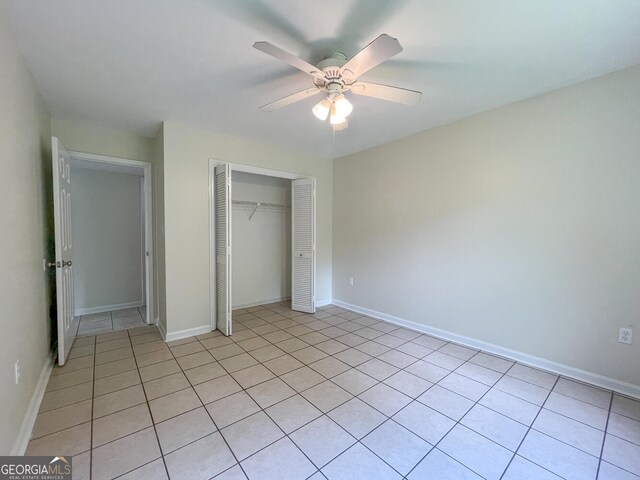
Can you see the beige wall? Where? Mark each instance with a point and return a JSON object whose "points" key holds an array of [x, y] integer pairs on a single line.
{"points": [[25, 144], [261, 239], [81, 137], [186, 216], [518, 226], [108, 266]]}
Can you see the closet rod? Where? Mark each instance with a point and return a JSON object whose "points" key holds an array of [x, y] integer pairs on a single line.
{"points": [[257, 204]]}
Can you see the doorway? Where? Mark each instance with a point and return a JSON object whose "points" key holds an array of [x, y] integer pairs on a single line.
{"points": [[290, 198], [112, 256]]}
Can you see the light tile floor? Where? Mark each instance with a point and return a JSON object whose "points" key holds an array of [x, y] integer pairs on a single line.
{"points": [[105, 322], [333, 395]]}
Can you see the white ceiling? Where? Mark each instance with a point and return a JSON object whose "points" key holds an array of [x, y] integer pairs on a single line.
{"points": [[129, 64]]}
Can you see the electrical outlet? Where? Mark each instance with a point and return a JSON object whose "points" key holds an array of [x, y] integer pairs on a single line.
{"points": [[351, 281], [625, 335], [16, 368]]}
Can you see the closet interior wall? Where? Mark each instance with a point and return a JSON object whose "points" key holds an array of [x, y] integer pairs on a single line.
{"points": [[261, 239], [107, 223]]}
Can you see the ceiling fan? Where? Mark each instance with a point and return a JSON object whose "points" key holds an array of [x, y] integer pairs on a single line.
{"points": [[336, 75]]}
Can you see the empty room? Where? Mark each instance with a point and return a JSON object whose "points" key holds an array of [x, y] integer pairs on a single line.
{"points": [[358, 239]]}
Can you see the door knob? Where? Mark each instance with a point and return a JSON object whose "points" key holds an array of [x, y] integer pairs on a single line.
{"points": [[53, 264]]}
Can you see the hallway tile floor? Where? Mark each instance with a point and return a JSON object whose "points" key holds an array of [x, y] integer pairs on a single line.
{"points": [[332, 395], [105, 322]]}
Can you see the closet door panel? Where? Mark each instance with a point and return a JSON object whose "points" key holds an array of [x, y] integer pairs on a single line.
{"points": [[303, 244], [223, 248]]}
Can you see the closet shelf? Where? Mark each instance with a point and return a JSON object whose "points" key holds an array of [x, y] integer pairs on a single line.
{"points": [[245, 203], [256, 205]]}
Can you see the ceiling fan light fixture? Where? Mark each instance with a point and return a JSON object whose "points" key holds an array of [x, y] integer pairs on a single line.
{"points": [[337, 120], [321, 109], [340, 126], [343, 107]]}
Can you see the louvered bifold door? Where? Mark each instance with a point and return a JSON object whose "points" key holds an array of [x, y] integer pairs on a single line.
{"points": [[303, 244], [223, 248]]}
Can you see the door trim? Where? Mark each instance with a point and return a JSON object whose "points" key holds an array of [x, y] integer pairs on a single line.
{"points": [[235, 167], [145, 167]]}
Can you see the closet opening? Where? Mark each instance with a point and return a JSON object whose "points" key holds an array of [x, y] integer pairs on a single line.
{"points": [[262, 240]]}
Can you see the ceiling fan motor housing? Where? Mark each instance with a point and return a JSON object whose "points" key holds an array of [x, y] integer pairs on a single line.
{"points": [[334, 80]]}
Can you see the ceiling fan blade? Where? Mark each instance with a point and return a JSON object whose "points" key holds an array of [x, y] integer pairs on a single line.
{"points": [[386, 92], [382, 48], [289, 99], [289, 58]]}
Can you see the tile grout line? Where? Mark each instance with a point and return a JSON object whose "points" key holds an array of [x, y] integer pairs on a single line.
{"points": [[457, 422], [93, 388], [153, 424], [604, 436], [529, 430], [564, 442], [203, 405]]}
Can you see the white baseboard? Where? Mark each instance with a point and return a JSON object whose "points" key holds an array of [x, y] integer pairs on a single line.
{"points": [[108, 308], [262, 302], [531, 360], [22, 440], [324, 303], [190, 332]]}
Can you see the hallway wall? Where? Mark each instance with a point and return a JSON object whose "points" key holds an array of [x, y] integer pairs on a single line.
{"points": [[106, 222]]}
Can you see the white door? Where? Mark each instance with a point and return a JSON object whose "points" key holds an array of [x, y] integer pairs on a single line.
{"points": [[303, 244], [67, 325], [223, 248]]}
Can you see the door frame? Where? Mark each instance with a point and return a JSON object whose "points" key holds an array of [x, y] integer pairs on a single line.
{"points": [[147, 183], [235, 167]]}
